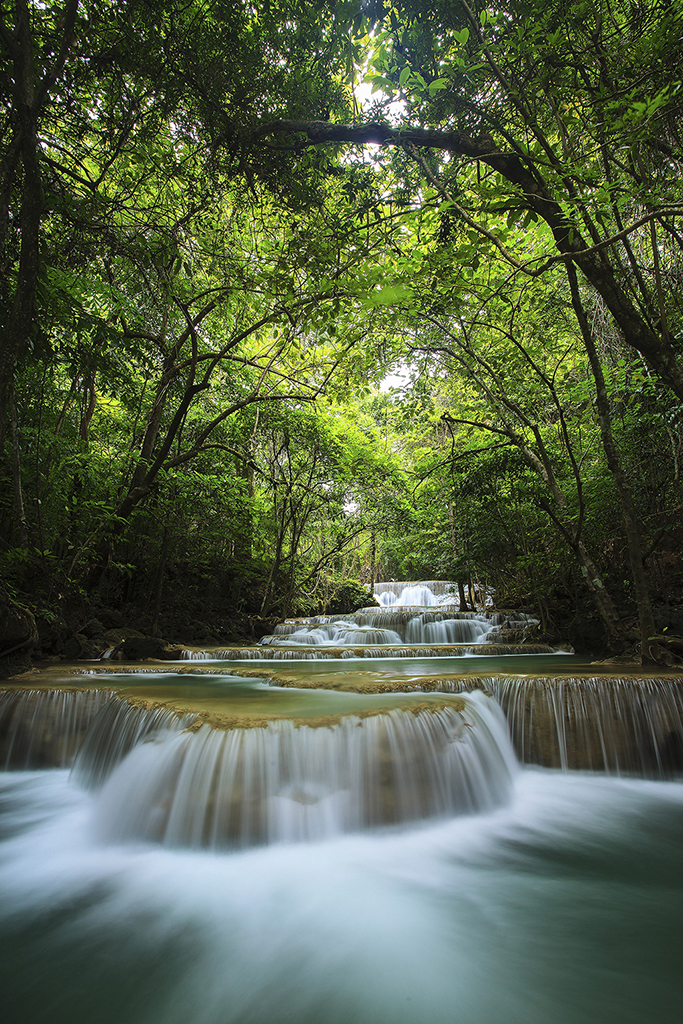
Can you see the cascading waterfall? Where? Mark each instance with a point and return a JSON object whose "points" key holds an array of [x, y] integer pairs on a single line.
{"points": [[622, 727], [282, 782], [290, 783], [374, 863], [297, 652], [418, 595], [407, 617], [617, 725], [338, 632], [422, 594], [45, 727], [115, 731], [439, 588], [372, 628]]}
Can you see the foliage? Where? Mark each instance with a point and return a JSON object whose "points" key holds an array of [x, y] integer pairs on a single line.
{"points": [[206, 274]]}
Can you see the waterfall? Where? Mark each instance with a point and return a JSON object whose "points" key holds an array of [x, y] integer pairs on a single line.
{"points": [[210, 860], [45, 728], [409, 624], [416, 595], [289, 782], [423, 594], [610, 725], [115, 731], [340, 631], [620, 726], [442, 630]]}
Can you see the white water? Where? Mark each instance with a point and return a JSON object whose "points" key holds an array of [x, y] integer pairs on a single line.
{"points": [[562, 907], [416, 594], [363, 890], [288, 782], [367, 628], [297, 652], [407, 616], [334, 633], [622, 726], [27, 718]]}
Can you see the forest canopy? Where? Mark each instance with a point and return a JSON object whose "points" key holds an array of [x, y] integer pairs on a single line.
{"points": [[296, 297]]}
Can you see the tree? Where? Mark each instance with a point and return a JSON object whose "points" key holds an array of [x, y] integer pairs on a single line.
{"points": [[565, 129], [104, 102]]}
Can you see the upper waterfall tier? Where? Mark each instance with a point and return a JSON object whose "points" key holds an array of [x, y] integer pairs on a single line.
{"points": [[424, 593], [392, 625], [410, 613]]}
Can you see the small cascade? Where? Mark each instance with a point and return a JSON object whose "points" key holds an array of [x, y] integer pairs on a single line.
{"points": [[441, 629], [115, 731], [287, 783], [417, 595], [403, 622], [400, 618], [340, 631], [45, 728], [613, 725]]}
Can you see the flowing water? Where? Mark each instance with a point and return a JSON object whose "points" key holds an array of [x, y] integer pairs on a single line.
{"points": [[562, 906], [225, 851]]}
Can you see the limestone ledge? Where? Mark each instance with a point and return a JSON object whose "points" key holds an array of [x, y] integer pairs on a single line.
{"points": [[225, 721]]}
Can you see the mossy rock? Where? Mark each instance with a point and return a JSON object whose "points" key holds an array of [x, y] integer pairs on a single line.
{"points": [[93, 627]]}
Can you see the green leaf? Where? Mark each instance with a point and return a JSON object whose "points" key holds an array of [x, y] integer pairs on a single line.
{"points": [[437, 85], [389, 295]]}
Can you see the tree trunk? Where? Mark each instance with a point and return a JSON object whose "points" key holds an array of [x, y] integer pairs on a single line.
{"points": [[22, 528], [604, 604], [373, 560], [158, 585], [648, 646], [21, 313]]}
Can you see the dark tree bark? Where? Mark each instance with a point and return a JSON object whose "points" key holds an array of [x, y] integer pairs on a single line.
{"points": [[20, 169], [648, 645], [19, 510]]}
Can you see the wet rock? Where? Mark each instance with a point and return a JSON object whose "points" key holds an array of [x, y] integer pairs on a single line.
{"points": [[110, 618], [52, 630], [93, 649]]}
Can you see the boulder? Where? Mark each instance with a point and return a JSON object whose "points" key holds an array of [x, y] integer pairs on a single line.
{"points": [[141, 648], [93, 628]]}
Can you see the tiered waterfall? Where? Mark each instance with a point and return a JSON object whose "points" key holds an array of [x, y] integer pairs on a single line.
{"points": [[345, 831]]}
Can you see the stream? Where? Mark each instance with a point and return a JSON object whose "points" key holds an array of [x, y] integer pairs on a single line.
{"points": [[385, 841]]}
